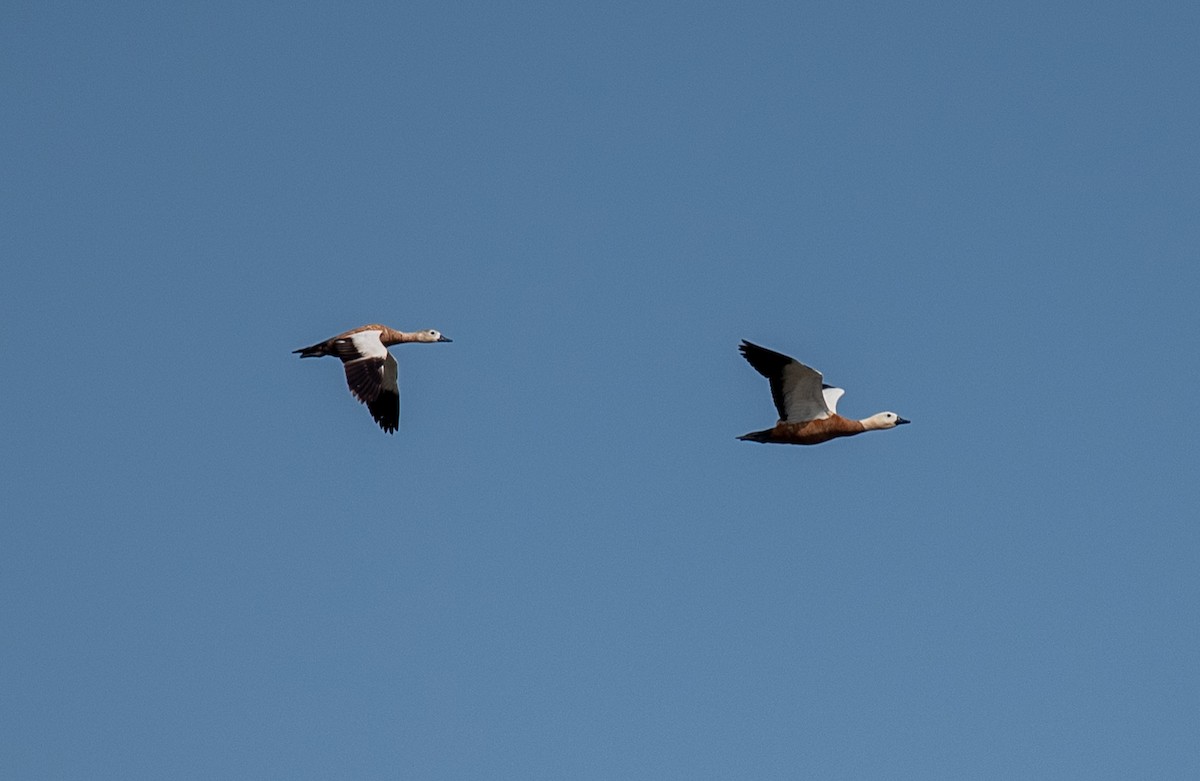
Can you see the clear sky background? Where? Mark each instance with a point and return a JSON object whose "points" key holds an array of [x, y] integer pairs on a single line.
{"points": [[980, 216]]}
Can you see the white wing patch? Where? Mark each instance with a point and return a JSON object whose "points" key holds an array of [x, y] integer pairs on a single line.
{"points": [[832, 395], [369, 344]]}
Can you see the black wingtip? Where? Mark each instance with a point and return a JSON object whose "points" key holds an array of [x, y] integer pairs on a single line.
{"points": [[385, 409], [765, 361]]}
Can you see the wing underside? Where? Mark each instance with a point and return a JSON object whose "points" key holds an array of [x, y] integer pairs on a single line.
{"points": [[798, 390]]}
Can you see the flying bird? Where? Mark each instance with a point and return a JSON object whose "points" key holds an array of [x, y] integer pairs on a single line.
{"points": [[807, 406], [370, 368]]}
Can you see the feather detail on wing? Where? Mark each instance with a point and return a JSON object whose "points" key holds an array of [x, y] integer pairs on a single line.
{"points": [[373, 381], [796, 389]]}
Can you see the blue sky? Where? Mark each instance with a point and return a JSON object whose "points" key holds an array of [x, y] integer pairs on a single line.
{"points": [[982, 217]]}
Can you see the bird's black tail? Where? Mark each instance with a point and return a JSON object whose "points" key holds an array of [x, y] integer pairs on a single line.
{"points": [[757, 436], [312, 351]]}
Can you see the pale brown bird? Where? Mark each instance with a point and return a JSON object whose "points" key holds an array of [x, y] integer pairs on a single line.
{"points": [[807, 406], [370, 368]]}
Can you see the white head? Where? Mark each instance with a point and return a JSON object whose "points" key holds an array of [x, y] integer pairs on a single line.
{"points": [[430, 335], [882, 420]]}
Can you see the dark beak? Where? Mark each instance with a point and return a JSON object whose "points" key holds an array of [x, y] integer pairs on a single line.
{"points": [[901, 421], [444, 339]]}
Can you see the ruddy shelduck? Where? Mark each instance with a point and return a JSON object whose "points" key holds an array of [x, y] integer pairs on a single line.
{"points": [[370, 368], [807, 406]]}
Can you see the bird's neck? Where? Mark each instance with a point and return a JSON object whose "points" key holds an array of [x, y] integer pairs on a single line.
{"points": [[392, 336], [872, 423]]}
